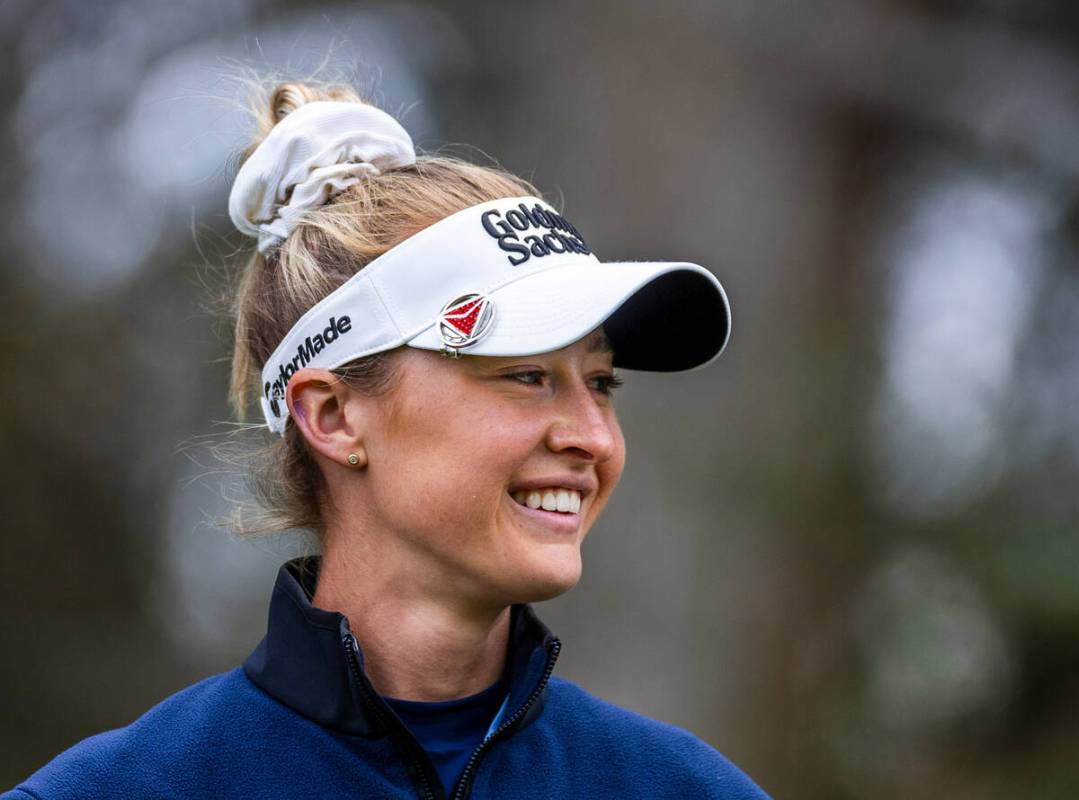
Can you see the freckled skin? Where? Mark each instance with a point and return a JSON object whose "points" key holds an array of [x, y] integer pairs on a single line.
{"points": [[457, 433]]}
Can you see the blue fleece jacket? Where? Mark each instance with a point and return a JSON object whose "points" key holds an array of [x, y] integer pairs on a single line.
{"points": [[300, 719]]}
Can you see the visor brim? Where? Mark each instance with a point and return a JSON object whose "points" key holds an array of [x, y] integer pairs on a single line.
{"points": [[660, 316]]}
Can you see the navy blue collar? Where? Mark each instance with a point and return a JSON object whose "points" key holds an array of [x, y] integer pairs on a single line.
{"points": [[306, 661]]}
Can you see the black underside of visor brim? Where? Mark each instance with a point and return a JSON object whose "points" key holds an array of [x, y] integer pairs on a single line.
{"points": [[676, 322]]}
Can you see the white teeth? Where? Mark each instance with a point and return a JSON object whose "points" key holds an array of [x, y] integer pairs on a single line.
{"points": [[564, 503], [564, 500]]}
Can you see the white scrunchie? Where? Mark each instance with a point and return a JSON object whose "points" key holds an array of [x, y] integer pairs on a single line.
{"points": [[314, 153]]}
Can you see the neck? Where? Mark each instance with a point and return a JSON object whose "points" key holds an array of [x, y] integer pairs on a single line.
{"points": [[416, 645]]}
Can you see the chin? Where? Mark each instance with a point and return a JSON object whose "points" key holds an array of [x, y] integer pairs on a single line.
{"points": [[549, 581]]}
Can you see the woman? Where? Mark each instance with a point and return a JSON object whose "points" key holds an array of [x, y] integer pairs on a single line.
{"points": [[435, 345]]}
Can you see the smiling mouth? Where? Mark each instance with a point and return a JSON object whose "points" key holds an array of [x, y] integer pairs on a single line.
{"points": [[562, 522], [562, 501]]}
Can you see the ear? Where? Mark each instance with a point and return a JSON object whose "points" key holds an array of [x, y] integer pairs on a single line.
{"points": [[328, 414]]}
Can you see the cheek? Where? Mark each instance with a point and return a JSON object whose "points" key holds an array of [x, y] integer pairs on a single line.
{"points": [[620, 449], [611, 469], [455, 465]]}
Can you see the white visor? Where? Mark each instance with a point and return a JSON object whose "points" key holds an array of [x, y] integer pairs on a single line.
{"points": [[510, 277]]}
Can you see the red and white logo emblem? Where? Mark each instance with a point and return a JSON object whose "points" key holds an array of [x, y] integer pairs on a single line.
{"points": [[464, 321]]}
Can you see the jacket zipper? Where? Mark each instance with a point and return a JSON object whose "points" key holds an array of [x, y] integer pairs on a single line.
{"points": [[354, 667], [466, 776]]}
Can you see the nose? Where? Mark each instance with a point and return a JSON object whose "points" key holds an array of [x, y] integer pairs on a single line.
{"points": [[583, 426]]}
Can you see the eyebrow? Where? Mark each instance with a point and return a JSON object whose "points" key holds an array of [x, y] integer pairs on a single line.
{"points": [[601, 344]]}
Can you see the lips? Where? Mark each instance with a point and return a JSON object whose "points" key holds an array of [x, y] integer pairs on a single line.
{"points": [[555, 498], [584, 484], [555, 521]]}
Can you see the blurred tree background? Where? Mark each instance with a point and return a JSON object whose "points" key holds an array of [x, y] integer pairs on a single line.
{"points": [[845, 554]]}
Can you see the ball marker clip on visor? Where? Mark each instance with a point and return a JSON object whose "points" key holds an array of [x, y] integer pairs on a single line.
{"points": [[509, 277]]}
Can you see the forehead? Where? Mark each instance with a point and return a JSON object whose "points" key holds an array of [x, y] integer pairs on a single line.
{"points": [[422, 362], [596, 342]]}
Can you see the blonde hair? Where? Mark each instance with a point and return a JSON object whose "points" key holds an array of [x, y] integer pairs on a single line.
{"points": [[329, 246]]}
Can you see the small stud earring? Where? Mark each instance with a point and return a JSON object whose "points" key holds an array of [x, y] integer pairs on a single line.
{"points": [[353, 459]]}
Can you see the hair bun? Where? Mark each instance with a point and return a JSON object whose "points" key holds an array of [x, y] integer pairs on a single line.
{"points": [[316, 150]]}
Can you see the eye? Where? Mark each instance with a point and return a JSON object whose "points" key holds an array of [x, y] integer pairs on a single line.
{"points": [[531, 372], [606, 383], [610, 383]]}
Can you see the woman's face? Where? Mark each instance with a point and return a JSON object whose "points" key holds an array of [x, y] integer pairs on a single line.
{"points": [[454, 437]]}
